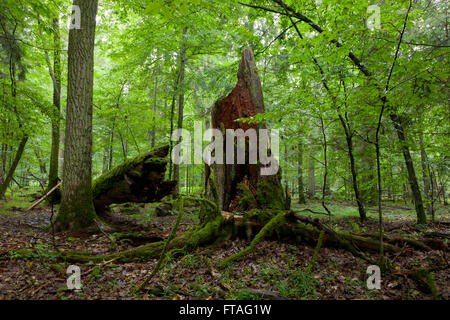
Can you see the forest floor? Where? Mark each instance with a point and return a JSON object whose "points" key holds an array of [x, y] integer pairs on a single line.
{"points": [[274, 270]]}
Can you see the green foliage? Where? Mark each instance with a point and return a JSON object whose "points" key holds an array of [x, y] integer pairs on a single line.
{"points": [[137, 67], [299, 284]]}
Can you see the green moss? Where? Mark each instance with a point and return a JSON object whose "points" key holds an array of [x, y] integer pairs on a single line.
{"points": [[274, 224], [247, 200], [212, 194], [79, 214], [208, 209], [427, 282], [103, 183], [96, 272], [270, 194], [261, 216]]}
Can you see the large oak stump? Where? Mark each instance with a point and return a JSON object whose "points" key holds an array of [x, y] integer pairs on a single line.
{"points": [[241, 187]]}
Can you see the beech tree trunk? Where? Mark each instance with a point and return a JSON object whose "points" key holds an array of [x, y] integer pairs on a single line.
{"points": [[12, 169], [311, 173], [56, 78], [77, 208], [412, 178], [349, 139], [176, 168], [301, 187]]}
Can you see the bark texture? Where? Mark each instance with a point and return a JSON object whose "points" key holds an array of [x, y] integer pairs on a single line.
{"points": [[77, 208], [241, 186], [56, 78]]}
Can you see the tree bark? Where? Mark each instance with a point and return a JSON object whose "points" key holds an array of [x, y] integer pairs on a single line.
{"points": [[311, 173], [13, 167], [54, 154], [77, 208], [241, 187], [412, 178], [349, 139], [176, 168], [301, 187], [425, 174]]}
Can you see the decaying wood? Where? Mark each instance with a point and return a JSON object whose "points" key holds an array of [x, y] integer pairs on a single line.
{"points": [[240, 187], [139, 180]]}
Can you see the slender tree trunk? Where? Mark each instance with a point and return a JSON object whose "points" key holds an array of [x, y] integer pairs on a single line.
{"points": [[172, 116], [412, 178], [105, 159], [54, 154], [301, 193], [425, 174], [4, 158], [349, 139], [77, 208], [311, 174], [325, 162], [111, 146], [155, 109], [13, 167], [176, 173]]}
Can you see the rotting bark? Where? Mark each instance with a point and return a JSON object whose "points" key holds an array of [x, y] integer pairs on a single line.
{"points": [[138, 180], [241, 186]]}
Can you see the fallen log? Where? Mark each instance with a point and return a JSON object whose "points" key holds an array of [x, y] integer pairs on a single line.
{"points": [[44, 197], [138, 180]]}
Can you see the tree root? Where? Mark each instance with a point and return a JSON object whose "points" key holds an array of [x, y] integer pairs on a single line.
{"points": [[216, 227], [163, 253], [267, 230]]}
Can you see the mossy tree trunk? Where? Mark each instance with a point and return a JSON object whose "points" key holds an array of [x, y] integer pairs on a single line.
{"points": [[77, 208]]}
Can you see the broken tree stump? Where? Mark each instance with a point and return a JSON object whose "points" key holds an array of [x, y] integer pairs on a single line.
{"points": [[241, 187], [138, 180]]}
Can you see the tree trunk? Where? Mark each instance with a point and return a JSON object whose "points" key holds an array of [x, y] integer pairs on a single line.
{"points": [[368, 182], [301, 192], [241, 187], [77, 208], [176, 168], [412, 178], [13, 167], [349, 139], [54, 154], [425, 174], [311, 173]]}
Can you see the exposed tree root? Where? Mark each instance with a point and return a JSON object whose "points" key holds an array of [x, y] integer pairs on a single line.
{"points": [[274, 224], [216, 226]]}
